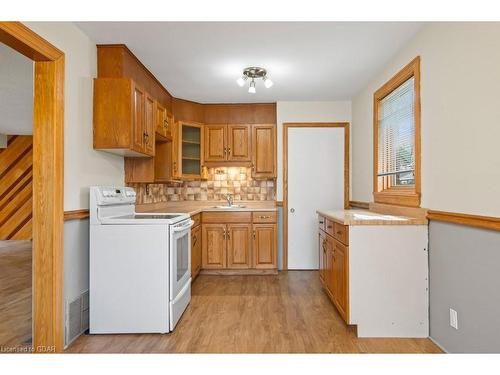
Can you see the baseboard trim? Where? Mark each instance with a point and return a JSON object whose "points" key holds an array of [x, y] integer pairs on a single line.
{"points": [[238, 272], [439, 345]]}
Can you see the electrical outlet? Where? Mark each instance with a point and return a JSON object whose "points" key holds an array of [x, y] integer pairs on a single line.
{"points": [[453, 318]]}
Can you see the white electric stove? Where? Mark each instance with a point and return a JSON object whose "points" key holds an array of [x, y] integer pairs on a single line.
{"points": [[140, 274]]}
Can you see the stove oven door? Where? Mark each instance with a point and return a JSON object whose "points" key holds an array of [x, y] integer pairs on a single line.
{"points": [[180, 269]]}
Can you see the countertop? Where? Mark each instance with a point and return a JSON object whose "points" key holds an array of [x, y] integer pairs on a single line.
{"points": [[367, 217], [195, 207]]}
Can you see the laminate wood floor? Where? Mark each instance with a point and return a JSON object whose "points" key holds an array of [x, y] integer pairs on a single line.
{"points": [[285, 313], [15, 293]]}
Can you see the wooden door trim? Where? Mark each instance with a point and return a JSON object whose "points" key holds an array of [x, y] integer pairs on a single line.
{"points": [[48, 183], [287, 126]]}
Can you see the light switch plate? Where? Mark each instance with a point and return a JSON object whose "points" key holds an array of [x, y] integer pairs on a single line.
{"points": [[453, 319]]}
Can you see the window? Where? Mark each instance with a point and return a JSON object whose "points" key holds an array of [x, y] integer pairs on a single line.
{"points": [[396, 169]]}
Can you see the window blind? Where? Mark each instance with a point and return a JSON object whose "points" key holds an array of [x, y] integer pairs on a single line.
{"points": [[396, 137]]}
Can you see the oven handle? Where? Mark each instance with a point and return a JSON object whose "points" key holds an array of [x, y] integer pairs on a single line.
{"points": [[184, 227]]}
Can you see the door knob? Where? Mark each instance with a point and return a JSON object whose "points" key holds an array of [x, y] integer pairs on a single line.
{"points": [[292, 210]]}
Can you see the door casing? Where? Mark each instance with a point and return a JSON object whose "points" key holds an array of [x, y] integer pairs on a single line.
{"points": [[48, 183]]}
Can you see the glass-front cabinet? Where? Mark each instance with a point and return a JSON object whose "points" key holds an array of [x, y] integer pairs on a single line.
{"points": [[191, 150]]}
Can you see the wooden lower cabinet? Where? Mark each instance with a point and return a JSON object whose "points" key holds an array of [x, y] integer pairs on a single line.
{"points": [[334, 265], [214, 246], [264, 246], [340, 269], [195, 251], [237, 241], [238, 245]]}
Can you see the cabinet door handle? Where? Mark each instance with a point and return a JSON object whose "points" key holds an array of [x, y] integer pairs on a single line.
{"points": [[225, 151], [321, 222], [175, 166], [146, 138], [228, 236], [329, 226], [194, 240], [264, 217], [254, 234], [165, 124], [253, 167], [224, 235], [229, 151]]}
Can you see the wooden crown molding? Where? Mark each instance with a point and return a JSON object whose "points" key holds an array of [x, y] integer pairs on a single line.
{"points": [[487, 222]]}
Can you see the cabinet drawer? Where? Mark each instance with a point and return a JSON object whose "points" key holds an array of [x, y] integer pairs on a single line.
{"points": [[197, 220], [321, 222], [329, 227], [264, 217], [341, 233], [227, 217]]}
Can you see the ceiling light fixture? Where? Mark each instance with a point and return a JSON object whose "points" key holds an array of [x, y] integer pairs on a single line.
{"points": [[251, 88], [254, 72]]}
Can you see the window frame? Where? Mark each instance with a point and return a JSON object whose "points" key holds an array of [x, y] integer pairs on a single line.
{"points": [[383, 192]]}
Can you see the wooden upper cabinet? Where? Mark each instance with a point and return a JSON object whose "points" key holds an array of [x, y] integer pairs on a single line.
{"points": [[215, 142], [120, 122], [264, 151], [161, 120], [238, 143], [163, 162], [264, 246], [176, 150], [149, 124], [239, 245], [213, 254], [191, 149], [227, 143]]}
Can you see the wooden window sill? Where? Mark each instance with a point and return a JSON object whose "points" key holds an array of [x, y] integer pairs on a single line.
{"points": [[399, 198]]}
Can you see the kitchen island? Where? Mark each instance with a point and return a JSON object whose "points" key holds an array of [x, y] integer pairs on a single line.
{"points": [[374, 268]]}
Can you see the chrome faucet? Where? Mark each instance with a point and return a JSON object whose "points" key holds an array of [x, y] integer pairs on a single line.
{"points": [[229, 198]]}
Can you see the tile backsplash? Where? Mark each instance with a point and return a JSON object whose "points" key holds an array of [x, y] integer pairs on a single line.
{"points": [[237, 181]]}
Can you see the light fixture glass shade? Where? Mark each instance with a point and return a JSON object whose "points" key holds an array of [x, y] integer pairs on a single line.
{"points": [[267, 82], [240, 81], [251, 88]]}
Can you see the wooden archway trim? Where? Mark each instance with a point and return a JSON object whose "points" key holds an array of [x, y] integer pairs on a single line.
{"points": [[48, 184]]}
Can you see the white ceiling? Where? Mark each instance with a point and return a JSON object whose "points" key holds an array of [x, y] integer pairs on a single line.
{"points": [[307, 61], [16, 92]]}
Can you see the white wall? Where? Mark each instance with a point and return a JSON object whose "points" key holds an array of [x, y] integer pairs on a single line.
{"points": [[16, 92], [82, 165], [334, 111], [460, 77]]}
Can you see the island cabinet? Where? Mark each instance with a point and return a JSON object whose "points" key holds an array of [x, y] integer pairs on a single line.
{"points": [[374, 269], [227, 143], [334, 263], [239, 242], [124, 118]]}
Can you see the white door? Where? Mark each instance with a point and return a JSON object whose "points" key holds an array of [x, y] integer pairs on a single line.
{"points": [[315, 181]]}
